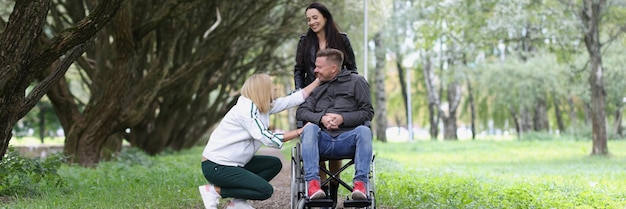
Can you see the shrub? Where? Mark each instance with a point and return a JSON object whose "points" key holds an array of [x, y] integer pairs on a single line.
{"points": [[24, 176]]}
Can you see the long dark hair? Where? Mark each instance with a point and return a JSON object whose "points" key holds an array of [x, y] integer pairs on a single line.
{"points": [[333, 37]]}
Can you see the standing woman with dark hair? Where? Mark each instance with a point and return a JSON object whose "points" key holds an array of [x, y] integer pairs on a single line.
{"points": [[323, 33]]}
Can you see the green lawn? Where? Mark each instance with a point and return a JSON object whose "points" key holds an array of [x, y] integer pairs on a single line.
{"points": [[422, 174], [501, 174]]}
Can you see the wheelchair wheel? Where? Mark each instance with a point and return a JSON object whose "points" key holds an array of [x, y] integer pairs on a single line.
{"points": [[373, 196], [372, 184], [300, 204], [297, 176]]}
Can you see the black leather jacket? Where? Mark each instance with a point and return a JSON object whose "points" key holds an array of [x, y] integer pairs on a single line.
{"points": [[303, 73]]}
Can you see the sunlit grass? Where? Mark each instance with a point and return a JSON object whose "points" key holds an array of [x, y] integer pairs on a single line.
{"points": [[502, 174], [421, 174], [35, 141], [168, 181]]}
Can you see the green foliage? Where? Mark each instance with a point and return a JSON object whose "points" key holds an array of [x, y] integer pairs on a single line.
{"points": [[25, 177], [132, 180], [515, 84]]}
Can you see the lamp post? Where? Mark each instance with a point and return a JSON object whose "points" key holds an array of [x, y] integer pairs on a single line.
{"points": [[365, 39]]}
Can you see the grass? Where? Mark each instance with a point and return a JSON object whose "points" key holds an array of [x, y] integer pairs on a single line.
{"points": [[501, 174], [422, 174], [30, 141], [167, 181]]}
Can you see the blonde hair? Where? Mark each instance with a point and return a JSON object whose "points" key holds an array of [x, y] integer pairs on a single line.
{"points": [[258, 88]]}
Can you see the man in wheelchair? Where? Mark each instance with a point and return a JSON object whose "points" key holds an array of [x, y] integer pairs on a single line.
{"points": [[334, 116]]}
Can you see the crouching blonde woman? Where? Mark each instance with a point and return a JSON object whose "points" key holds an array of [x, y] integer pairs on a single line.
{"points": [[229, 162]]}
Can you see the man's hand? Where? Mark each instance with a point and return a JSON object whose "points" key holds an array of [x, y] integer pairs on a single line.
{"points": [[332, 121]]}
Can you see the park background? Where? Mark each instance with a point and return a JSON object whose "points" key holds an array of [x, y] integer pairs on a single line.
{"points": [[158, 75]]}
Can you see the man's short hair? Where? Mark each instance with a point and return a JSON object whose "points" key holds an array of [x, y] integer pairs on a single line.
{"points": [[333, 55]]}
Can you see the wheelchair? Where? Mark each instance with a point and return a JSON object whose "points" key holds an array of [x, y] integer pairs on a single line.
{"points": [[299, 196]]}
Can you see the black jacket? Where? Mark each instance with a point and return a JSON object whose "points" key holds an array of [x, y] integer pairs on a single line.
{"points": [[348, 94], [303, 72]]}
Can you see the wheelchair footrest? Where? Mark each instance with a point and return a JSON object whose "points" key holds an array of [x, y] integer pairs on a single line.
{"points": [[320, 203], [357, 203]]}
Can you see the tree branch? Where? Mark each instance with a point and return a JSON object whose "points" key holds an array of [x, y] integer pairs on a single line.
{"points": [[217, 22], [41, 88], [166, 12], [80, 33]]}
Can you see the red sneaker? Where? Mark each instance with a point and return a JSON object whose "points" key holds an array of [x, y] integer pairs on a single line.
{"points": [[358, 193], [315, 192]]}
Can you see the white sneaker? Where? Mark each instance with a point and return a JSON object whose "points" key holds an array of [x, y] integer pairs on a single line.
{"points": [[210, 197], [239, 204]]}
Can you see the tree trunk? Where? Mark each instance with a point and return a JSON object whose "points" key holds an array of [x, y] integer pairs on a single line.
{"points": [[526, 119], [379, 81], [540, 116], [42, 123], [403, 84], [617, 127], [572, 113], [559, 116], [170, 74], [591, 15], [21, 64], [103, 115], [449, 119], [587, 112], [112, 146], [86, 139], [472, 108], [517, 121], [433, 97], [16, 47], [449, 124]]}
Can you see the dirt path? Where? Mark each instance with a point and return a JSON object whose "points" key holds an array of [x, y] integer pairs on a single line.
{"points": [[282, 183]]}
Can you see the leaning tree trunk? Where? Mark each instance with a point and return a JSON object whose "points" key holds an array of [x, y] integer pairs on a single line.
{"points": [[104, 115], [21, 64], [209, 94], [166, 53], [16, 45], [379, 80], [591, 15]]}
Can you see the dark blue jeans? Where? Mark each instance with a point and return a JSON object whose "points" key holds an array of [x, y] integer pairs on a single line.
{"points": [[316, 143]]}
